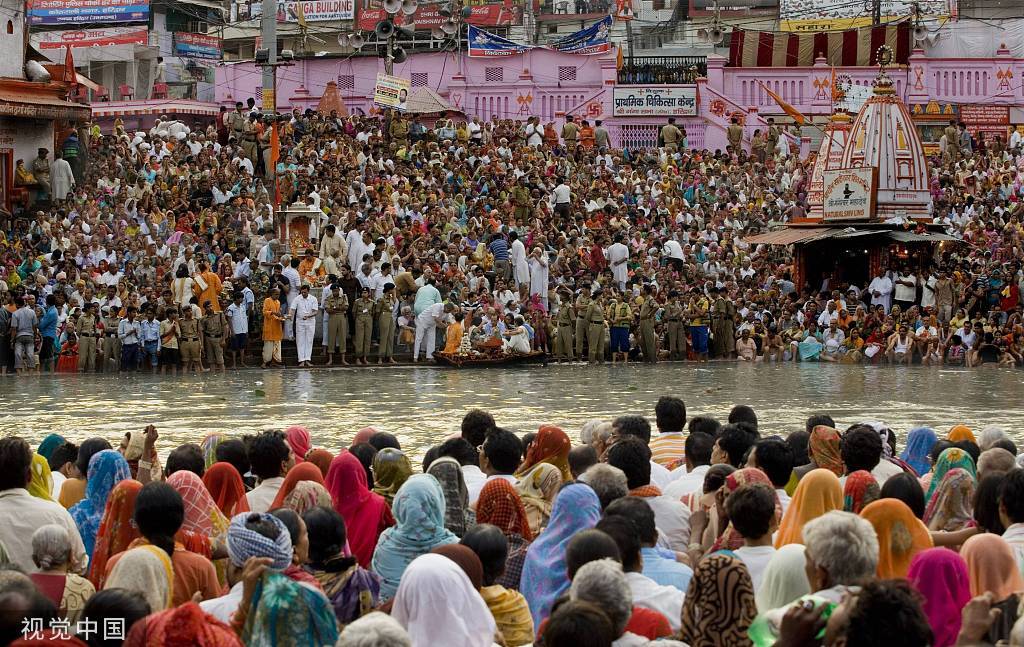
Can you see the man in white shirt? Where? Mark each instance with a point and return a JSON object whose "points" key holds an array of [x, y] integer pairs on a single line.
{"points": [[1011, 510], [697, 461], [23, 513], [562, 195], [618, 256], [880, 289], [647, 593], [270, 458], [672, 518], [905, 289], [266, 537], [304, 310], [426, 329], [775, 458], [751, 510]]}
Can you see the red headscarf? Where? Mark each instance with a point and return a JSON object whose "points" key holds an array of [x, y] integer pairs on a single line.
{"points": [[184, 626], [551, 445], [305, 471], [499, 504], [116, 531], [226, 487], [322, 459], [366, 514], [299, 441]]}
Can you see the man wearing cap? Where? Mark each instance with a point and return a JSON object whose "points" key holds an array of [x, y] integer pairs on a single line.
{"points": [[673, 318], [41, 171], [595, 329], [111, 342], [336, 334], [190, 343], [214, 326], [565, 320], [304, 310], [582, 304], [648, 339], [88, 333], [385, 311]]}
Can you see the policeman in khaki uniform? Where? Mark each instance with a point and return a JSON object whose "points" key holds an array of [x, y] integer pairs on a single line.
{"points": [[111, 342], [564, 322], [214, 326], [336, 306], [648, 339], [582, 303], [595, 330], [673, 318], [385, 314], [190, 342], [88, 333], [363, 310], [522, 199]]}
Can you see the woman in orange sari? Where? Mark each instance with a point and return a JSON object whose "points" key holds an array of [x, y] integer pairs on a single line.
{"points": [[817, 493], [587, 137], [117, 530], [901, 535], [225, 485]]}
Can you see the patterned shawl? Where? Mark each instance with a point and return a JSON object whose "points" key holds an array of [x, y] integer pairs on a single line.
{"points": [[576, 508], [391, 468], [184, 626], [860, 489], [731, 539], [538, 489], [285, 613], [41, 485], [552, 446], [949, 459], [117, 530], [202, 516], [919, 445], [419, 515], [306, 495], [106, 469], [951, 506], [457, 515], [303, 471], [719, 606], [823, 447], [499, 504]]}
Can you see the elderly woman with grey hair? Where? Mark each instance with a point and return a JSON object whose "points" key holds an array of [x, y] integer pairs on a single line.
{"points": [[374, 630], [841, 551], [596, 433], [608, 482], [603, 584], [51, 552]]}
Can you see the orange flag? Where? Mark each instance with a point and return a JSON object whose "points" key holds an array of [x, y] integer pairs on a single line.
{"points": [[275, 154], [786, 107], [70, 77]]}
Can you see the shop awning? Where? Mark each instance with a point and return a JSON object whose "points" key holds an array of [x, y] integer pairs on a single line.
{"points": [[20, 104], [424, 100], [927, 237], [790, 235], [154, 107]]}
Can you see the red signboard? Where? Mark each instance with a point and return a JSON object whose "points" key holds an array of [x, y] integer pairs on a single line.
{"points": [[985, 115], [428, 17], [91, 37]]}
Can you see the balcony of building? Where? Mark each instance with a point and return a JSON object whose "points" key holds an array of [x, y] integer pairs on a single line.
{"points": [[662, 70]]}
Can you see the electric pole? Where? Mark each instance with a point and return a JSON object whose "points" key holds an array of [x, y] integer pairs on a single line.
{"points": [[268, 27]]}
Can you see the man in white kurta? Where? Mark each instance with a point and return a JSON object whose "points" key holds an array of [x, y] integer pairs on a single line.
{"points": [[520, 266], [881, 291], [539, 275], [304, 310], [61, 178], [618, 254], [426, 329]]}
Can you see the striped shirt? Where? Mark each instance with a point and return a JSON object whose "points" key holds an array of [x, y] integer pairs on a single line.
{"points": [[669, 449], [499, 248]]}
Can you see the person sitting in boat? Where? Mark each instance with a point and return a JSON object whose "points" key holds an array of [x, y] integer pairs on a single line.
{"points": [[518, 337]]}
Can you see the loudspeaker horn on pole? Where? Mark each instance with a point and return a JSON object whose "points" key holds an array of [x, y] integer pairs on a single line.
{"points": [[445, 10], [449, 26], [437, 34], [920, 33], [715, 35], [357, 41], [409, 7], [392, 6], [344, 40], [384, 29], [398, 55]]}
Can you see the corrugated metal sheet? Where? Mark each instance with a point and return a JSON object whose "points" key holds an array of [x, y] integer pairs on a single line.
{"points": [[911, 237], [791, 235]]}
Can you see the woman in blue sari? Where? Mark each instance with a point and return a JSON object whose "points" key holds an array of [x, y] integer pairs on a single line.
{"points": [[106, 469], [919, 445]]}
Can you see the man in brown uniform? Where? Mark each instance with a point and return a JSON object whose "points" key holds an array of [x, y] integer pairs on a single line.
{"points": [[735, 134], [595, 331], [399, 130], [671, 135], [952, 141], [215, 327], [189, 343], [673, 318], [385, 313], [570, 133], [582, 303], [336, 306], [522, 200], [771, 138], [564, 321], [648, 340], [111, 343], [88, 332]]}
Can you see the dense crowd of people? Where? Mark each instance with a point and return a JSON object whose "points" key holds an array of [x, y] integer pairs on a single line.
{"points": [[694, 532], [162, 250]]}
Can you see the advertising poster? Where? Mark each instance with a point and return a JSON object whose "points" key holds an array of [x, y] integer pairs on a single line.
{"points": [[89, 37], [664, 101], [190, 45], [391, 91], [324, 11], [71, 12]]}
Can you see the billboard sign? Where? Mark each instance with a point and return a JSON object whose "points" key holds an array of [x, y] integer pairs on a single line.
{"points": [[427, 16], [391, 91], [189, 45], [45, 40], [661, 101], [72, 12], [310, 11], [849, 194]]}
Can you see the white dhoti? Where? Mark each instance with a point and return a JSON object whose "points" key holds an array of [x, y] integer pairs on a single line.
{"points": [[289, 322], [304, 332], [426, 334]]}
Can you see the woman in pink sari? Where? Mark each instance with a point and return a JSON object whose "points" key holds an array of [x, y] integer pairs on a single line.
{"points": [[366, 514]]}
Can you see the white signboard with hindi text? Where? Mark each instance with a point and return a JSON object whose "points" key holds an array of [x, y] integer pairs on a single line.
{"points": [[662, 101], [849, 194]]}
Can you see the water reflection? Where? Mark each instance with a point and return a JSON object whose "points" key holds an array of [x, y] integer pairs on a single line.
{"points": [[424, 405]]}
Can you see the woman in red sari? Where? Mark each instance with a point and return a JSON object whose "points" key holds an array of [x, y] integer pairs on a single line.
{"points": [[304, 471], [117, 531], [226, 487], [366, 514]]}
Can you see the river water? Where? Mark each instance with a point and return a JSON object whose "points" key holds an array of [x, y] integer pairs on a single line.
{"points": [[424, 405]]}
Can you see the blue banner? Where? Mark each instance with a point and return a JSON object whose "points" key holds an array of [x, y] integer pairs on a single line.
{"points": [[484, 44], [592, 40]]}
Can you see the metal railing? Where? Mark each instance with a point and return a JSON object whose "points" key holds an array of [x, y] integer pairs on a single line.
{"points": [[662, 69]]}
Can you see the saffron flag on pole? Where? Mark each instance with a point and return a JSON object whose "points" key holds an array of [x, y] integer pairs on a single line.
{"points": [[797, 116]]}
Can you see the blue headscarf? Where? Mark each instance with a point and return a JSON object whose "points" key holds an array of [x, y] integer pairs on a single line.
{"points": [[576, 509], [106, 469], [919, 444], [49, 445], [418, 508]]}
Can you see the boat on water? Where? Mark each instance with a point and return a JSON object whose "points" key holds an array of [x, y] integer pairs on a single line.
{"points": [[483, 360]]}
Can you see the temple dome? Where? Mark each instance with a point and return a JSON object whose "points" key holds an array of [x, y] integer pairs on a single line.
{"points": [[883, 136], [830, 156]]}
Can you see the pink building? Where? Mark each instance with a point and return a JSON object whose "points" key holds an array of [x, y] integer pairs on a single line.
{"points": [[550, 85]]}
